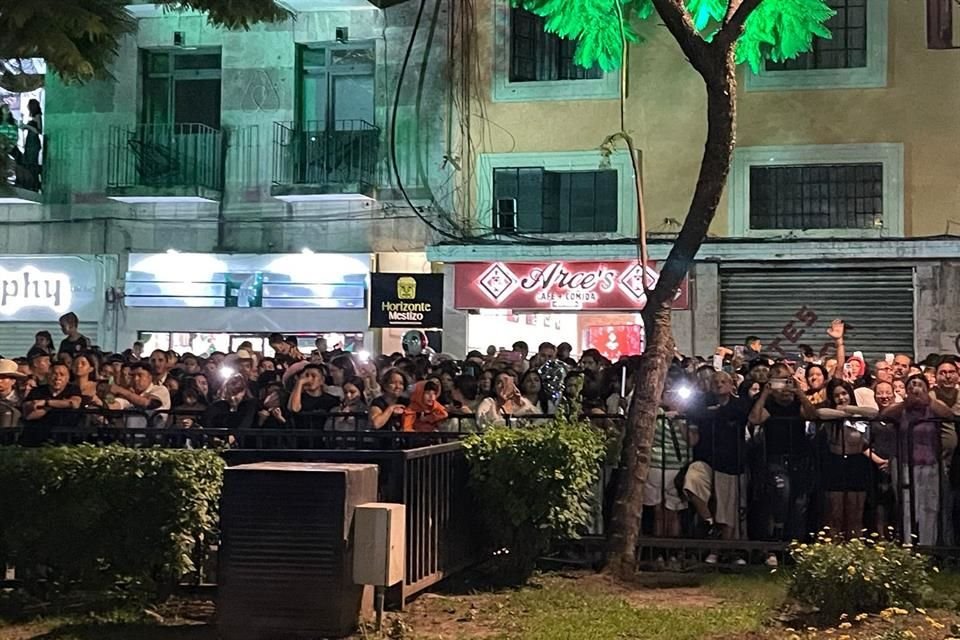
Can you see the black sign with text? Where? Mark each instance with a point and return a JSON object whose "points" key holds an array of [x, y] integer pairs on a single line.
{"points": [[400, 300]]}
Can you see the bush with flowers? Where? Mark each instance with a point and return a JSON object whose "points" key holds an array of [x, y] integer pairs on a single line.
{"points": [[862, 575]]}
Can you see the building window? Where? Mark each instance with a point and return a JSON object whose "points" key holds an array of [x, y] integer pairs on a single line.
{"points": [[181, 87], [543, 201], [561, 192], [847, 49], [536, 55], [854, 57], [827, 190], [817, 196], [531, 65]]}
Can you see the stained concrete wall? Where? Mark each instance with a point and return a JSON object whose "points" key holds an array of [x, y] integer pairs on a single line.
{"points": [[938, 308], [258, 89]]}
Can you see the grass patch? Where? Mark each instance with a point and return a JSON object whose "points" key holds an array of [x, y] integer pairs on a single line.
{"points": [[583, 606]]}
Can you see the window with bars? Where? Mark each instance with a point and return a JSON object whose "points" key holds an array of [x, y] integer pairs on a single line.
{"points": [[558, 201], [817, 196], [537, 56], [847, 49]]}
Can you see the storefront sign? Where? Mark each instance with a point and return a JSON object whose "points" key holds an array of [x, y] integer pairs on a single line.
{"points": [[29, 287], [557, 285], [269, 281], [41, 289], [399, 300]]}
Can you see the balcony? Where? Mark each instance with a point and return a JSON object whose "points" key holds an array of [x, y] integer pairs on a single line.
{"points": [[165, 164], [312, 163]]}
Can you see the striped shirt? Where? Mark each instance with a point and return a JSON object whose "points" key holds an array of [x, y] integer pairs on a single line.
{"points": [[663, 454]]}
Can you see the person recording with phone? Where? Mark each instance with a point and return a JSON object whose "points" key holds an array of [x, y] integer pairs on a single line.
{"points": [[787, 479]]}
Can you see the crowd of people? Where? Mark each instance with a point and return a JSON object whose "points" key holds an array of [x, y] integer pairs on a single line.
{"points": [[746, 445]]}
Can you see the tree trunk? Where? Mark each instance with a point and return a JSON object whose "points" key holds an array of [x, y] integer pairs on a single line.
{"points": [[719, 75]]}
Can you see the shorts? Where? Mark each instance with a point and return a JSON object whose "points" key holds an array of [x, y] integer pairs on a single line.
{"points": [[729, 492], [661, 489]]}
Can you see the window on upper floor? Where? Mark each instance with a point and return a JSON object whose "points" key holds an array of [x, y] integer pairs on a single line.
{"points": [[530, 64], [855, 56], [536, 55], [846, 49], [181, 87], [537, 200], [846, 190], [566, 192], [817, 196]]}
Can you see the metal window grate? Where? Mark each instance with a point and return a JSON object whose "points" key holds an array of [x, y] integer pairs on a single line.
{"points": [[536, 55], [847, 49], [559, 201], [817, 196]]}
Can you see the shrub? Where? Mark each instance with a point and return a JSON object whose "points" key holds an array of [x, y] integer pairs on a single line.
{"points": [[860, 576], [95, 515], [533, 485]]}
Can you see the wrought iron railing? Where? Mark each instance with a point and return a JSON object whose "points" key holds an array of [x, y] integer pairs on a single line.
{"points": [[165, 156], [309, 153]]}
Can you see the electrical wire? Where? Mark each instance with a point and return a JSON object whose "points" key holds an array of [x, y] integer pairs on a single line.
{"points": [[393, 130]]}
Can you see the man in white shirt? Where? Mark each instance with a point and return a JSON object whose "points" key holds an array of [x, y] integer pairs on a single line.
{"points": [[144, 395]]}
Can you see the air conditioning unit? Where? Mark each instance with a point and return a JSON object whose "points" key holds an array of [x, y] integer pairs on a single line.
{"points": [[505, 215], [286, 558]]}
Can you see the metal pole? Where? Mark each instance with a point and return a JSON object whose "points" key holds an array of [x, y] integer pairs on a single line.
{"points": [[379, 598]]}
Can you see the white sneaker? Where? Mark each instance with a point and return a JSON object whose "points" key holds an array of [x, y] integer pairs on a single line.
{"points": [[741, 562], [772, 561], [711, 559]]}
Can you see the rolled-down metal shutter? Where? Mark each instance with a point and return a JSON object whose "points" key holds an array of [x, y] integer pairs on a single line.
{"points": [[16, 338], [796, 305]]}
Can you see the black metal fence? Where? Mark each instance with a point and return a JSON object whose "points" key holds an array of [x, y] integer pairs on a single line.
{"points": [[165, 156], [762, 486], [310, 154]]}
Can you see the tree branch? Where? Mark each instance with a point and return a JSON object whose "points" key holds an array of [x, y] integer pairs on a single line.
{"points": [[680, 25], [737, 13]]}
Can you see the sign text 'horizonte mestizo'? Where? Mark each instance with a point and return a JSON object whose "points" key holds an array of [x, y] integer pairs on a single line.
{"points": [[406, 300]]}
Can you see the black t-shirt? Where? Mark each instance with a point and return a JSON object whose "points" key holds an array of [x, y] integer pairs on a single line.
{"points": [[785, 433], [322, 404], [220, 415], [722, 431], [74, 347], [380, 402], [56, 417]]}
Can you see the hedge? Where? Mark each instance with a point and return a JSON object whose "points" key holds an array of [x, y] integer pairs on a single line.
{"points": [[94, 515]]}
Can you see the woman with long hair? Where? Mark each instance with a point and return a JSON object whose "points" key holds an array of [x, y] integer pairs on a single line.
{"points": [[846, 472], [531, 386]]}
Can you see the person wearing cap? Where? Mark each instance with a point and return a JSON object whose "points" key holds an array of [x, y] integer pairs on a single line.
{"points": [[9, 402], [39, 363]]}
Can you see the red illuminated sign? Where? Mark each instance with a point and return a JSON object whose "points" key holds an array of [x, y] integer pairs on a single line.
{"points": [[557, 285]]}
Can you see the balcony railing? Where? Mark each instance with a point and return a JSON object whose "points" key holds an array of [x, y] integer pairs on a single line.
{"points": [[165, 159], [308, 158]]}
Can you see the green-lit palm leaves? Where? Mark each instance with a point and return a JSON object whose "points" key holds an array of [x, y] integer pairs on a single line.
{"points": [[777, 30]]}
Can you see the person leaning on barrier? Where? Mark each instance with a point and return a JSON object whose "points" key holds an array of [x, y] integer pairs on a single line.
{"points": [[50, 405], [845, 469], [921, 445], [786, 480], [144, 394], [718, 436], [9, 401], [309, 396]]}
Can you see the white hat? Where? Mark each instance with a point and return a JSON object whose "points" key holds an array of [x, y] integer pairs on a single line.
{"points": [[8, 369]]}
